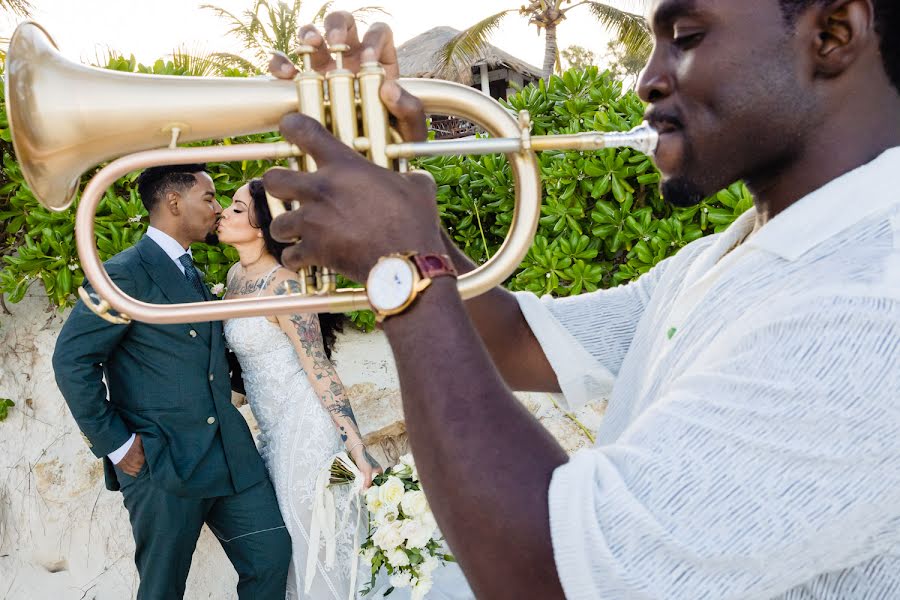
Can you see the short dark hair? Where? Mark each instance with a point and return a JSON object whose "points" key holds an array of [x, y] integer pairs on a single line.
{"points": [[155, 182], [330, 324], [887, 26]]}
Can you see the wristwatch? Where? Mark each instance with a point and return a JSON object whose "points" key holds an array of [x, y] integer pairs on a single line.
{"points": [[397, 279]]}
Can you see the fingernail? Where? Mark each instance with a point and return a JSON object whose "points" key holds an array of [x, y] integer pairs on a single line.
{"points": [[309, 36], [369, 55]]}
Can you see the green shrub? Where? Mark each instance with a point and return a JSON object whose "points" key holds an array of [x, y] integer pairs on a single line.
{"points": [[603, 221]]}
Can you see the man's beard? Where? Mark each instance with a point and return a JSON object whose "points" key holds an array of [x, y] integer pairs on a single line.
{"points": [[212, 239], [681, 193]]}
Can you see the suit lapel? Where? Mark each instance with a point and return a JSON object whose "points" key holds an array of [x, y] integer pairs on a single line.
{"points": [[170, 280]]}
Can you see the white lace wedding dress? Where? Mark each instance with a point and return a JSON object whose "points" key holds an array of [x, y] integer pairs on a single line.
{"points": [[297, 439]]}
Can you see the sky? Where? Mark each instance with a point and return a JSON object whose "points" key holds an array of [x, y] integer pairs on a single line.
{"points": [[151, 29]]}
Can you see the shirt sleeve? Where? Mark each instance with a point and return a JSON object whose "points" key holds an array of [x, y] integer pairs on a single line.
{"points": [[117, 456], [585, 337], [771, 460]]}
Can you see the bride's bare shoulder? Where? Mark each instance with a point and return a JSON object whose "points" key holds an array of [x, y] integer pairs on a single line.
{"points": [[284, 280]]}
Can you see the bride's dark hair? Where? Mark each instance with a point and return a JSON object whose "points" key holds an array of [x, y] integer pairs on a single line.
{"points": [[329, 323]]}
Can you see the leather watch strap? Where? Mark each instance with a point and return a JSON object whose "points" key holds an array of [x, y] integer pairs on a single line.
{"points": [[434, 265]]}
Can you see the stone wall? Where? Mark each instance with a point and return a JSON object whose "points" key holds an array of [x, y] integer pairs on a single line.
{"points": [[63, 536]]}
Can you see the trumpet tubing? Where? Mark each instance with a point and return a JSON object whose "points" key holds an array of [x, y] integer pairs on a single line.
{"points": [[66, 117]]}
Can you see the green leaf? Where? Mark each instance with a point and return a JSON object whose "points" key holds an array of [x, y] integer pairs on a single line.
{"points": [[5, 405]]}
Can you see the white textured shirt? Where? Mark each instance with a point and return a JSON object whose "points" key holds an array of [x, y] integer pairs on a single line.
{"points": [[173, 250], [751, 445]]}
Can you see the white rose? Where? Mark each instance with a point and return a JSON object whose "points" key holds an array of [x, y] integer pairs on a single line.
{"points": [[386, 514], [414, 503], [373, 502], [397, 558], [388, 536], [408, 461], [218, 289], [401, 579], [422, 587], [416, 533], [428, 565], [391, 491], [401, 470]]}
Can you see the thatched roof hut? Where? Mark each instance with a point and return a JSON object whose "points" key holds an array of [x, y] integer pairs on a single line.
{"points": [[496, 72]]}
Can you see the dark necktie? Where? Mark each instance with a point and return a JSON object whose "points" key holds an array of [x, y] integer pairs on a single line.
{"points": [[191, 274]]}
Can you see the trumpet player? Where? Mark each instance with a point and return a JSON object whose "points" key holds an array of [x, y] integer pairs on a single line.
{"points": [[751, 447]]}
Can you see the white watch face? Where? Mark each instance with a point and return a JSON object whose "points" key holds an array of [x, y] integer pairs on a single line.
{"points": [[390, 283]]}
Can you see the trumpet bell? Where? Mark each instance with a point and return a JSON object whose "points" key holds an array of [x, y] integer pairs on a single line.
{"points": [[65, 117]]}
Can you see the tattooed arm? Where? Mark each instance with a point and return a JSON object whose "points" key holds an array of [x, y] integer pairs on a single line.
{"points": [[306, 335]]}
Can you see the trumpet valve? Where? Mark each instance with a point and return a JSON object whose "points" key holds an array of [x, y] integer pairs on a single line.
{"points": [[337, 50], [374, 114], [305, 51]]}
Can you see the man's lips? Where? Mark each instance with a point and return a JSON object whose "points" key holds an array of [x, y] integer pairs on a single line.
{"points": [[670, 149], [665, 124]]}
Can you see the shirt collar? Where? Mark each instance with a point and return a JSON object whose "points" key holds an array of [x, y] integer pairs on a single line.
{"points": [[831, 209], [172, 248]]}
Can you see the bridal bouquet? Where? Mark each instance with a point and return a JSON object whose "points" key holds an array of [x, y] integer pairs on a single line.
{"points": [[403, 536]]}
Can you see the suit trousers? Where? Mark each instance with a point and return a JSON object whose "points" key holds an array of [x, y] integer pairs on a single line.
{"points": [[166, 527]]}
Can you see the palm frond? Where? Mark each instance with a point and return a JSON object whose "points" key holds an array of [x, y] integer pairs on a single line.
{"points": [[246, 32], [364, 13], [322, 12], [194, 62], [227, 60], [465, 46], [279, 27], [630, 29], [21, 8]]}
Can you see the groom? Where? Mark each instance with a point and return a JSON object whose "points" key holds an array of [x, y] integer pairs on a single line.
{"points": [[169, 437]]}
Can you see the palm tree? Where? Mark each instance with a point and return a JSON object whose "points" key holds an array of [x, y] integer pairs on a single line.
{"points": [[630, 29], [271, 26]]}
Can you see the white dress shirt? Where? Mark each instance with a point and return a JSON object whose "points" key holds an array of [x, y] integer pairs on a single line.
{"points": [[751, 446], [174, 250]]}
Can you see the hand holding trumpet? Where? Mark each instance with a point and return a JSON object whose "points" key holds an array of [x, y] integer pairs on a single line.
{"points": [[352, 211]]}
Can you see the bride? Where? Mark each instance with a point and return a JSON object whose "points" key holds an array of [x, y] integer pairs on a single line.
{"points": [[303, 412]]}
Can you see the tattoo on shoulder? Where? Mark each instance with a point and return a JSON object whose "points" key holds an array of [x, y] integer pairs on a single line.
{"points": [[287, 287]]}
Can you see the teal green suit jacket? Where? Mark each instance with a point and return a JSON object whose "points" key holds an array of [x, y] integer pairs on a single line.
{"points": [[169, 383]]}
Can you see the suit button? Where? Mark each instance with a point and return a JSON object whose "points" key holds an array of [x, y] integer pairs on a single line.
{"points": [[211, 420], [211, 377], [192, 333]]}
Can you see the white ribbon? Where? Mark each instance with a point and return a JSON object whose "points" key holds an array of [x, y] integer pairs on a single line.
{"points": [[324, 521]]}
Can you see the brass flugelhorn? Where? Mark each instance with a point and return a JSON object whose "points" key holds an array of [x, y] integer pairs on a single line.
{"points": [[66, 117]]}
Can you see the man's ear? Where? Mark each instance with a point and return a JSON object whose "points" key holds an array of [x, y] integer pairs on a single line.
{"points": [[173, 200], [845, 29]]}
